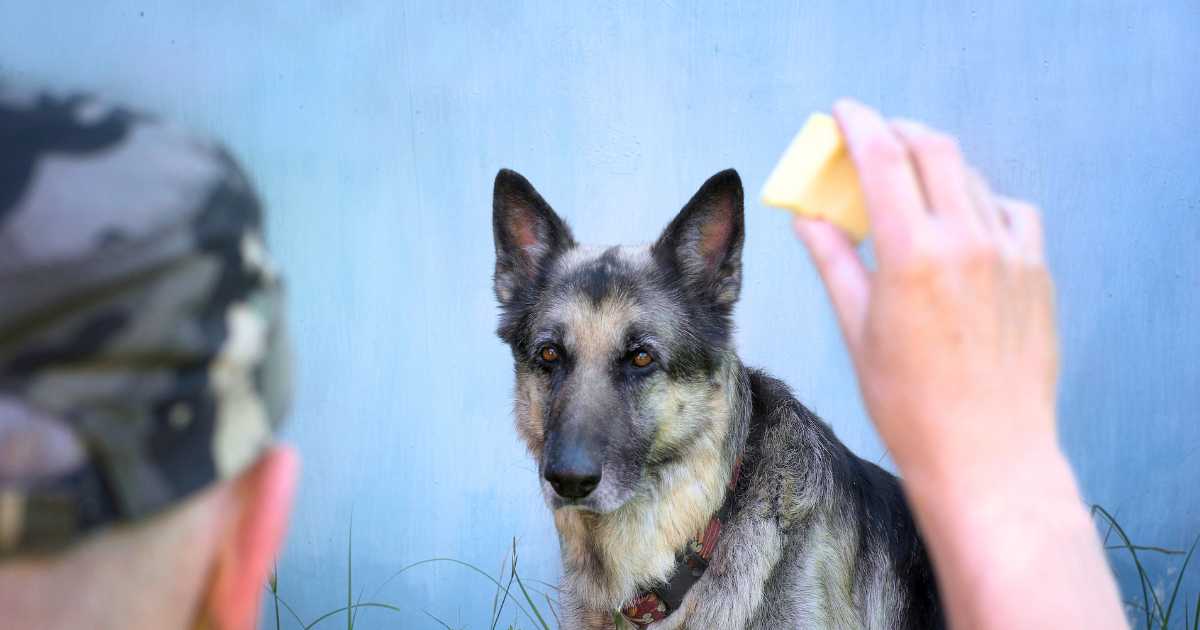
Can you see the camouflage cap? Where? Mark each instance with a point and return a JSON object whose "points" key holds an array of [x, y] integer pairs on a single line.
{"points": [[142, 350]]}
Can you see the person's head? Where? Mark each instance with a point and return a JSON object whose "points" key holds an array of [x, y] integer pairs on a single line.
{"points": [[204, 561], [143, 369]]}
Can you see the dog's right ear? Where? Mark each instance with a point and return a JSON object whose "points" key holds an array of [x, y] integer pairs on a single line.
{"points": [[704, 241], [527, 232]]}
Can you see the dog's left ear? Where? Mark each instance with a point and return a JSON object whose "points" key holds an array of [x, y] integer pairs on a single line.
{"points": [[704, 241], [527, 234]]}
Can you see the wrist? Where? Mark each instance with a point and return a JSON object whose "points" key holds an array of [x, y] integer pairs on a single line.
{"points": [[994, 489], [1040, 477], [979, 449], [1022, 534], [1031, 469]]}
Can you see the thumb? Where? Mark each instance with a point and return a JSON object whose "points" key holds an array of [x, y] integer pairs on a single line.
{"points": [[842, 271]]}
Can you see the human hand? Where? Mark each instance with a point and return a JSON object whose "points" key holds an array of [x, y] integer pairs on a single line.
{"points": [[952, 336], [954, 343]]}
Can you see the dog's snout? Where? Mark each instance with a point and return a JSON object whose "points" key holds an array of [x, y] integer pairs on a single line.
{"points": [[574, 456], [573, 484], [572, 471]]}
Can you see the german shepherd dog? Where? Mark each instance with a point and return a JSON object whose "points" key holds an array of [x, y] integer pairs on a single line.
{"points": [[655, 444]]}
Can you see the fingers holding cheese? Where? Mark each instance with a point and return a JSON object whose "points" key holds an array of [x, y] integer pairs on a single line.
{"points": [[815, 178], [895, 203], [852, 171], [943, 175], [984, 201], [1024, 230]]}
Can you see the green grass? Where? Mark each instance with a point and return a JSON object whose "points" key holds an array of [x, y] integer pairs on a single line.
{"points": [[521, 603], [1153, 614], [533, 608]]}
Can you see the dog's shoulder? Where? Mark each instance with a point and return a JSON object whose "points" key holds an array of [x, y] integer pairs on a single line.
{"points": [[774, 402], [798, 457], [790, 455], [781, 427], [799, 472]]}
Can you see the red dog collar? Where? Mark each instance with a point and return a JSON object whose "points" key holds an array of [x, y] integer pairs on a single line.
{"points": [[656, 603]]}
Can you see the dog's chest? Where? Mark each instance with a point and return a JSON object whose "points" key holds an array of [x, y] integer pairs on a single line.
{"points": [[609, 559], [606, 562]]}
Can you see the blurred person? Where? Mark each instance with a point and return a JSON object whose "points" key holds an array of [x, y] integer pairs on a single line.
{"points": [[143, 369]]}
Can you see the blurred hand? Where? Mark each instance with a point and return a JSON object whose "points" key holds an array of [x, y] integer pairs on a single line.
{"points": [[953, 340], [953, 335]]}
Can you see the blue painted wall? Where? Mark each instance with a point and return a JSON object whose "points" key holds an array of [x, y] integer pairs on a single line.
{"points": [[374, 131]]}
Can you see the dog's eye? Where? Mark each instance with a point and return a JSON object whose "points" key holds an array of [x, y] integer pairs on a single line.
{"points": [[549, 354], [641, 359]]}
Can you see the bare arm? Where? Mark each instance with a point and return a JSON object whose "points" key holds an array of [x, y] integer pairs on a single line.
{"points": [[954, 344]]}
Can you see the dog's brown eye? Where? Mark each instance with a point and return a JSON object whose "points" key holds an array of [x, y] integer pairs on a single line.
{"points": [[549, 354], [642, 359]]}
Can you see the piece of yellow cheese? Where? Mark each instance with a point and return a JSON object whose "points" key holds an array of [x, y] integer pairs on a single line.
{"points": [[815, 178]]}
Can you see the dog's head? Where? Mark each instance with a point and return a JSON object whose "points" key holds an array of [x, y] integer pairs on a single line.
{"points": [[617, 350]]}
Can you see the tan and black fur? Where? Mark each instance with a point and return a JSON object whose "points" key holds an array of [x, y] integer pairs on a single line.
{"points": [[634, 459]]}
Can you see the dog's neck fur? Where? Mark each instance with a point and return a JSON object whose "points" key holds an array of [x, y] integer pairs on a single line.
{"points": [[608, 558]]}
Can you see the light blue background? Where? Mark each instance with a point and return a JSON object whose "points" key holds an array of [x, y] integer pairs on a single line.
{"points": [[374, 131]]}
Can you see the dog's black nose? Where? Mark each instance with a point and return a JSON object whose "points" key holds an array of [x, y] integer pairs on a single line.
{"points": [[572, 484]]}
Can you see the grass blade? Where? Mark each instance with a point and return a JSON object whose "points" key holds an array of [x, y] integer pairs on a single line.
{"points": [[358, 600], [500, 598], [461, 563], [1162, 550], [275, 590], [442, 623], [507, 590], [1178, 582], [553, 587], [351, 607], [1143, 578], [288, 608], [524, 592], [350, 575], [496, 593]]}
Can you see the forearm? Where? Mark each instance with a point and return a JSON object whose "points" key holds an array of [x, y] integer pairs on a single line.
{"points": [[955, 347], [1014, 546]]}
